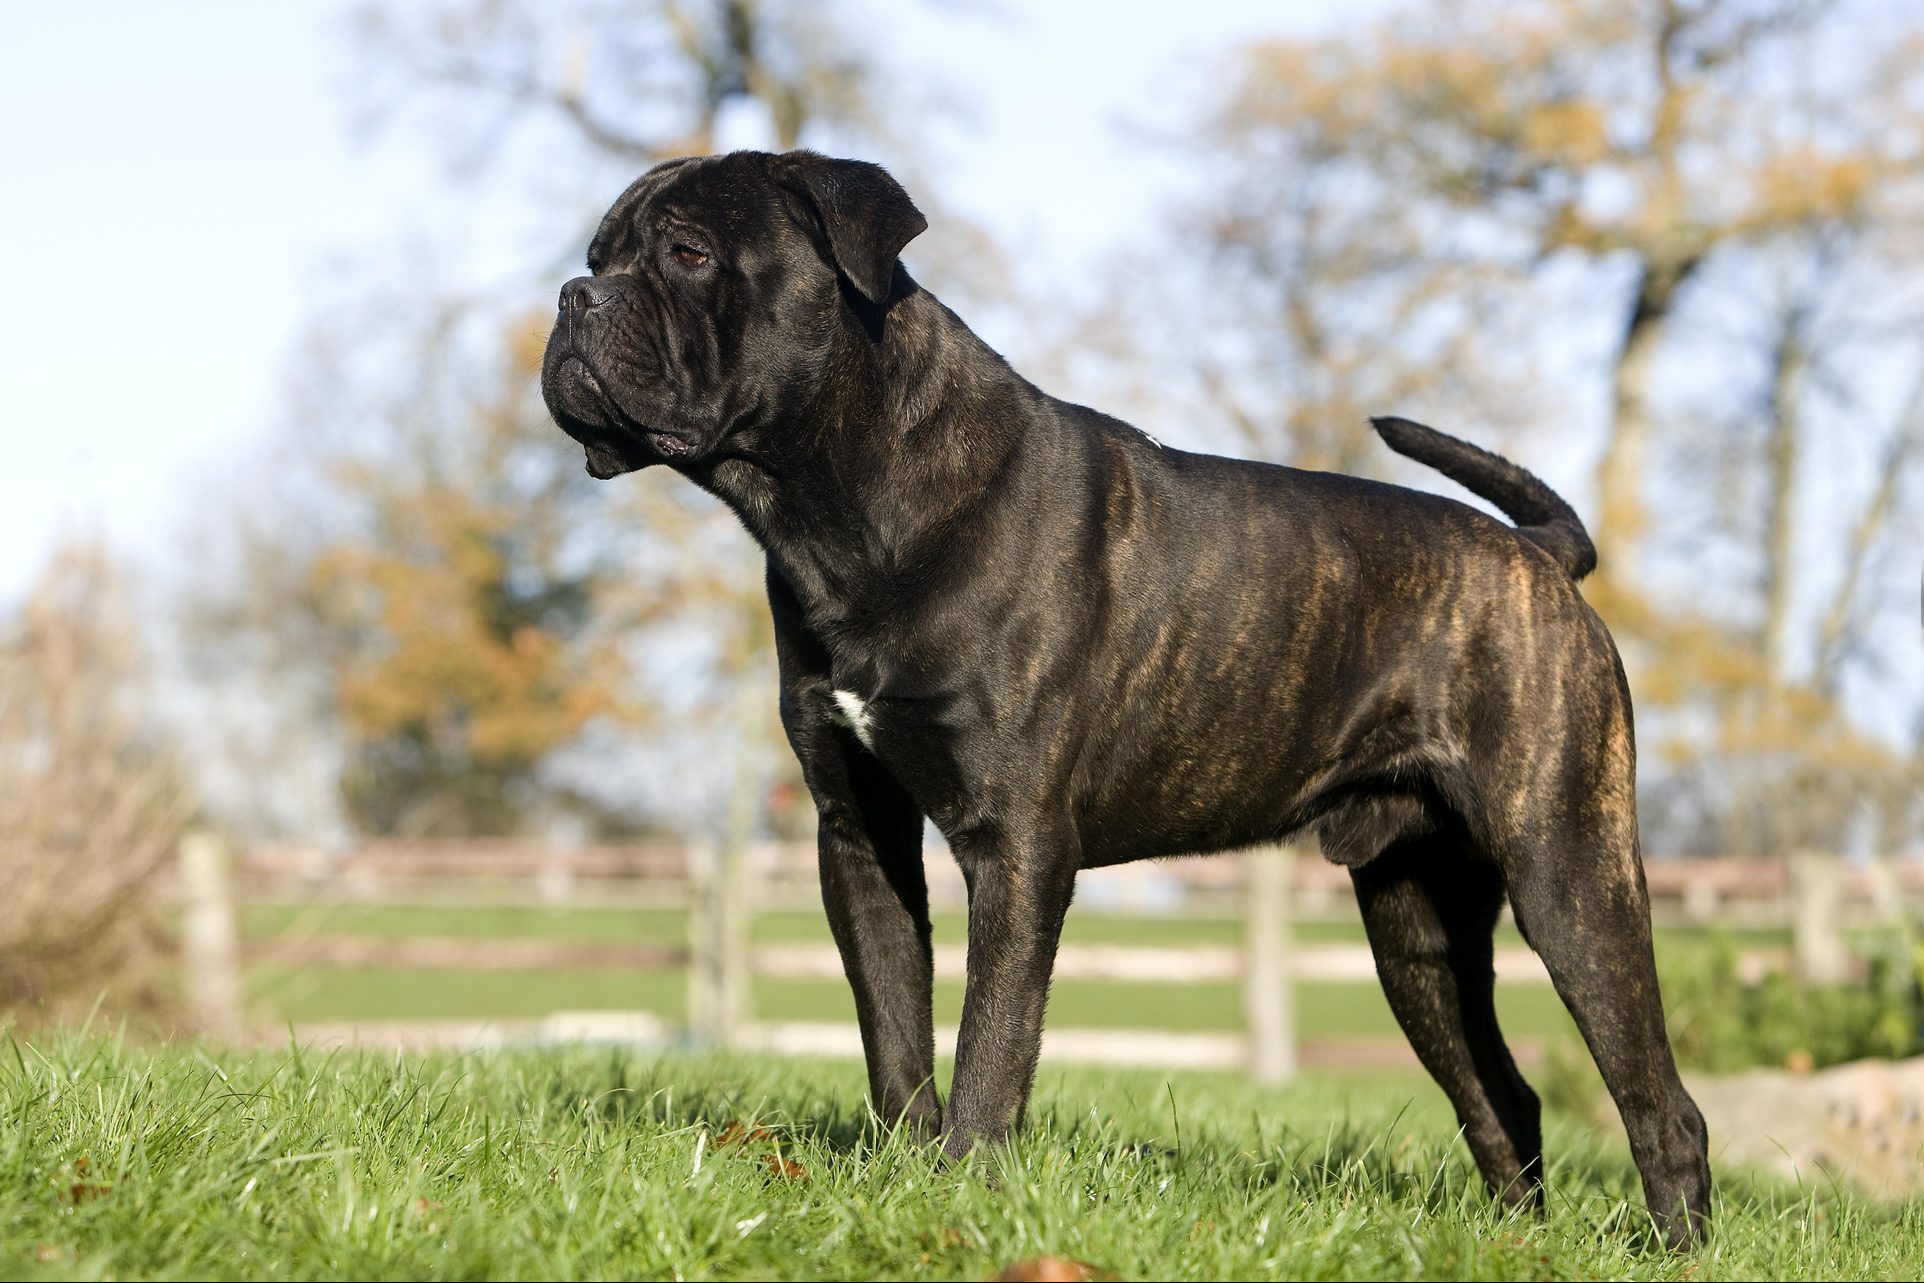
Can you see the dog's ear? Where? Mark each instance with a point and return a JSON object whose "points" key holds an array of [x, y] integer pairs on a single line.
{"points": [[865, 214]]}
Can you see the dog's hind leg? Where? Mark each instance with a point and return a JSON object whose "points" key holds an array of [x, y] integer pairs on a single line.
{"points": [[1579, 897], [1430, 904]]}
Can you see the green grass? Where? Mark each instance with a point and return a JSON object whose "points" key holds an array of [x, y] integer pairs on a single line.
{"points": [[394, 994], [598, 1163], [377, 993], [669, 926], [384, 993], [790, 926]]}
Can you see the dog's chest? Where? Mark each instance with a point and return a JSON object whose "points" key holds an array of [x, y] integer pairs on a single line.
{"points": [[851, 711], [940, 763], [931, 716]]}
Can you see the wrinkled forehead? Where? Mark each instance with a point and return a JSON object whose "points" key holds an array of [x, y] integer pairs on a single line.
{"points": [[721, 195]]}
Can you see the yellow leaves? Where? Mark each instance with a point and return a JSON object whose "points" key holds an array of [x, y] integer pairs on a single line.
{"points": [[1470, 104], [1463, 105], [1462, 81], [1796, 739], [1567, 228], [1803, 184], [1468, 143], [1573, 132], [444, 656], [1277, 84], [440, 669]]}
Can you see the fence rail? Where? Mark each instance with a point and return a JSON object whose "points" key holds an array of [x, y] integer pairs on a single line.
{"points": [[1818, 898], [1700, 889]]}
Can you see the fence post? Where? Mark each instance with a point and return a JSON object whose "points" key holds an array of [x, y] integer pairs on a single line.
{"points": [[556, 881], [1269, 1007], [1816, 934], [210, 942], [1700, 898], [1886, 896], [717, 944]]}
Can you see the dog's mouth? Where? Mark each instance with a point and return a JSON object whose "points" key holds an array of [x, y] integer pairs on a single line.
{"points": [[619, 443], [605, 462]]}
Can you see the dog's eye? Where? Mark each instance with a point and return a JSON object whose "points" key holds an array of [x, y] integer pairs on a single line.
{"points": [[688, 255]]}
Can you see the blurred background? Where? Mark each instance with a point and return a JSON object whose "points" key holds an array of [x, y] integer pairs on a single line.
{"points": [[333, 692]]}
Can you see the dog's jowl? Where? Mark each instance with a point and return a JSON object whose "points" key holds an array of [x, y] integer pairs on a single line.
{"points": [[1068, 647]]}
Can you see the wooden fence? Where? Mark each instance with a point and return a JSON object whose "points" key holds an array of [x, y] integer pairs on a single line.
{"points": [[1816, 897]]}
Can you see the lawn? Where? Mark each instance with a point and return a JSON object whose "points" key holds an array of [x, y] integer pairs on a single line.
{"points": [[389, 994], [595, 1163], [1323, 1010]]}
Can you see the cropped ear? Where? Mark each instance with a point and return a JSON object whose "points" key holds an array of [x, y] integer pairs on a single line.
{"points": [[866, 215]]}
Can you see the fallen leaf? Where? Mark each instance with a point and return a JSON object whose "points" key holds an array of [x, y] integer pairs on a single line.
{"points": [[946, 1239], [83, 1190], [784, 1168], [737, 1134], [1050, 1269]]}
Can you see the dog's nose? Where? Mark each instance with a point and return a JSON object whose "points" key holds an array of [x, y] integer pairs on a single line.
{"points": [[584, 292]]}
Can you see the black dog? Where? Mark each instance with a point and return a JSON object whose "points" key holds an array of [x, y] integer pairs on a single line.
{"points": [[1069, 647]]}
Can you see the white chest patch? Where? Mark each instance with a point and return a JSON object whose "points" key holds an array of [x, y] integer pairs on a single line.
{"points": [[851, 710]]}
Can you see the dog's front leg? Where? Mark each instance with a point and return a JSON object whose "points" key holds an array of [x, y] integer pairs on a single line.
{"points": [[1019, 890], [873, 886]]}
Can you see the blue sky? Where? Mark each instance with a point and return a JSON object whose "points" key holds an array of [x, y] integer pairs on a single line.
{"points": [[184, 181]]}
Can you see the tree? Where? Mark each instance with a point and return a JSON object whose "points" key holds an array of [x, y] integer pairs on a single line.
{"points": [[1437, 207], [639, 81], [479, 639], [493, 642]]}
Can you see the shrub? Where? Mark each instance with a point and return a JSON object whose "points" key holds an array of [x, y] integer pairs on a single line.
{"points": [[91, 802], [1719, 1020]]}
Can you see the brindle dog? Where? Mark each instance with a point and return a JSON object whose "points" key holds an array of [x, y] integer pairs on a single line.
{"points": [[1069, 647]]}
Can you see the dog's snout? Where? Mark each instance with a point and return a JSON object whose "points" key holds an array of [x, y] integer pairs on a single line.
{"points": [[584, 292]]}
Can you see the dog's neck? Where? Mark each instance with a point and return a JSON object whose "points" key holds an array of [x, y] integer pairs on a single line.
{"points": [[823, 492]]}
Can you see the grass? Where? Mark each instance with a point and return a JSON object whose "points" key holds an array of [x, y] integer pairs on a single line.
{"points": [[792, 926], [595, 1163], [669, 926], [1323, 1010], [378, 993]]}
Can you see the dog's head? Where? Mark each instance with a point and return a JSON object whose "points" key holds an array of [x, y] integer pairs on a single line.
{"points": [[715, 293]]}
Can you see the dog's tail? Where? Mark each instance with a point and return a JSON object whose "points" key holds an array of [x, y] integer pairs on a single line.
{"points": [[1540, 513]]}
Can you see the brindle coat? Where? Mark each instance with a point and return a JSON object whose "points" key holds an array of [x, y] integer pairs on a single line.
{"points": [[1069, 647]]}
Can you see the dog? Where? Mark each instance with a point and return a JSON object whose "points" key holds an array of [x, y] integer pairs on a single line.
{"points": [[1070, 647]]}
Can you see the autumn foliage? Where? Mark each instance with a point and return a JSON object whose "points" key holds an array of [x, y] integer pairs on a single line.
{"points": [[1550, 219], [92, 799]]}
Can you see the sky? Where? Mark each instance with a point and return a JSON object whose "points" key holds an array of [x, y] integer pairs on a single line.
{"points": [[185, 180]]}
